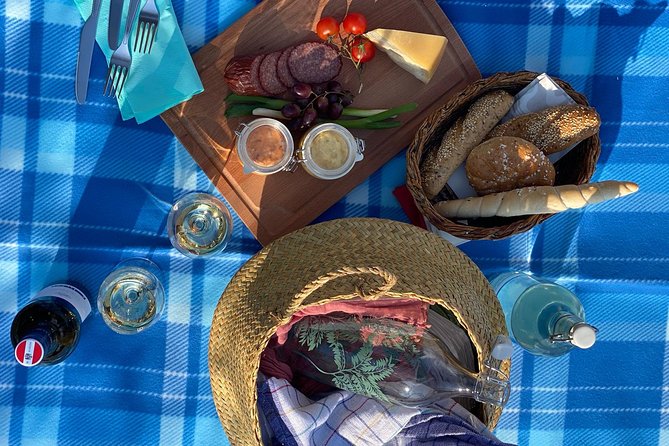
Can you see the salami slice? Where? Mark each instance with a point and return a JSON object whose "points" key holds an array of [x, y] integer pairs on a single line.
{"points": [[241, 75], [282, 69], [314, 62], [269, 79], [255, 75]]}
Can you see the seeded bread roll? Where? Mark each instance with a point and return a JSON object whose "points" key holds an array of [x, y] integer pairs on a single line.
{"points": [[467, 132], [505, 163], [553, 129], [535, 200]]}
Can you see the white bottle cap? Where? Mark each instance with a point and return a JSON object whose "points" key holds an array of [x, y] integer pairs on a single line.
{"points": [[503, 348], [583, 335]]}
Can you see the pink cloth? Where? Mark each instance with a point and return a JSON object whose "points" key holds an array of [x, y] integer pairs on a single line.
{"points": [[272, 366], [411, 311]]}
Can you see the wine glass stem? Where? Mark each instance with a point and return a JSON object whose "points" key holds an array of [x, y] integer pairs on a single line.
{"points": [[132, 296]]}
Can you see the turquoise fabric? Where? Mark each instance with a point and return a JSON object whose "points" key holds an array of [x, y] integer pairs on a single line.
{"points": [[159, 80]]}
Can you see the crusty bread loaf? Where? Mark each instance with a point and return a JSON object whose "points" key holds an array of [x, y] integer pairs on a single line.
{"points": [[467, 132], [535, 200], [506, 163], [553, 129]]}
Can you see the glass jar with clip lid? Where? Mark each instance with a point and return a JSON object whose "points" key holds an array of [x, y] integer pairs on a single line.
{"points": [[265, 146], [329, 151]]}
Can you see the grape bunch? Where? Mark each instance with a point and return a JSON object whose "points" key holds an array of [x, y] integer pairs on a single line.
{"points": [[326, 100]]}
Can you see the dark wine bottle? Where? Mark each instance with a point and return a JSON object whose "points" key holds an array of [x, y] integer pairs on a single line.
{"points": [[46, 331]]}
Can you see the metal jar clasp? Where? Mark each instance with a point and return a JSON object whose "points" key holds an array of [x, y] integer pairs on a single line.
{"points": [[360, 149]]}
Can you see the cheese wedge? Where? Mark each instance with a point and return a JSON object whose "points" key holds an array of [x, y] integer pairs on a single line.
{"points": [[417, 53]]}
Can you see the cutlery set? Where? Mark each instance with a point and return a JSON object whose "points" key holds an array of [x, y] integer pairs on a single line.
{"points": [[121, 59]]}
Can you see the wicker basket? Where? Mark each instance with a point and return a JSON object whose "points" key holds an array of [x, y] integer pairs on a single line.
{"points": [[341, 259], [576, 167]]}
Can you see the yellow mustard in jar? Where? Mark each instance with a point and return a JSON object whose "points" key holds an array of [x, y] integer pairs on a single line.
{"points": [[329, 150]]}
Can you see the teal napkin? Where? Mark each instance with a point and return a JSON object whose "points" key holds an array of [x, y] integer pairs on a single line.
{"points": [[156, 81]]}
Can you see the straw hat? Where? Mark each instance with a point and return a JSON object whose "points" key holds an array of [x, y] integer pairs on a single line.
{"points": [[341, 259]]}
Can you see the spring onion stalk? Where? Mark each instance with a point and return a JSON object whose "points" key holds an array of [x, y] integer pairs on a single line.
{"points": [[268, 113], [360, 124], [277, 104], [272, 103], [390, 112], [361, 112], [239, 110], [236, 111], [238, 106]]}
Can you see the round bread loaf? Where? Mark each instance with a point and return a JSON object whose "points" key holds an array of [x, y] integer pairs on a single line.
{"points": [[506, 163]]}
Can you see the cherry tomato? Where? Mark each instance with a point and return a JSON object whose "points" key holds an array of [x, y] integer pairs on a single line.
{"points": [[362, 50], [326, 27], [355, 23]]}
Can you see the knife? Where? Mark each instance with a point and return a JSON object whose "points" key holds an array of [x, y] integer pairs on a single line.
{"points": [[115, 12], [85, 55]]}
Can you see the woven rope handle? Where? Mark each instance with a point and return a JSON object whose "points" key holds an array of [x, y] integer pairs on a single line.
{"points": [[389, 280]]}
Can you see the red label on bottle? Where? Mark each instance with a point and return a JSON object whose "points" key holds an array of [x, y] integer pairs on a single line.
{"points": [[29, 352]]}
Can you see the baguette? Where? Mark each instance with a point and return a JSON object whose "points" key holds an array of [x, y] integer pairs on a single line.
{"points": [[467, 132], [535, 200], [553, 129]]}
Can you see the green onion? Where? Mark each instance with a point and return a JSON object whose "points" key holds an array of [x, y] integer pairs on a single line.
{"points": [[239, 106], [361, 112], [272, 103], [268, 113], [360, 124], [392, 112], [276, 104], [239, 110]]}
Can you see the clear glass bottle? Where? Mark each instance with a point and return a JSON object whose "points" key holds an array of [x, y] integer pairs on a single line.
{"points": [[543, 317], [387, 360], [46, 331]]}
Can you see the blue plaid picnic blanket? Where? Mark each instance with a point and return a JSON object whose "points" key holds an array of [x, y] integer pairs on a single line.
{"points": [[80, 190]]}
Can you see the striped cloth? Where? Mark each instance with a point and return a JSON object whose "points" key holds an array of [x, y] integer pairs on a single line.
{"points": [[340, 418], [80, 189], [343, 418]]}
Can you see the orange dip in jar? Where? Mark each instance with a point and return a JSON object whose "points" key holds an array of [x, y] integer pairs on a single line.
{"points": [[266, 146]]}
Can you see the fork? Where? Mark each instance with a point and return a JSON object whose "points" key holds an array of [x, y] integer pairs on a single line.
{"points": [[121, 59], [148, 23]]}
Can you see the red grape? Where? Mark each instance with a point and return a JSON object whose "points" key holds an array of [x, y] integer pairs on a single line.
{"points": [[291, 110], [309, 117], [335, 110], [301, 90]]}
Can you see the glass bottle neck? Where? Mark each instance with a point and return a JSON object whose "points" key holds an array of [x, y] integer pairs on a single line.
{"points": [[42, 337], [490, 386], [561, 326]]}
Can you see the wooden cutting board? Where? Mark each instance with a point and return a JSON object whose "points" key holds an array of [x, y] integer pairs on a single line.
{"points": [[274, 205]]}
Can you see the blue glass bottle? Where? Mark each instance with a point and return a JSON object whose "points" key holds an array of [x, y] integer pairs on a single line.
{"points": [[542, 317]]}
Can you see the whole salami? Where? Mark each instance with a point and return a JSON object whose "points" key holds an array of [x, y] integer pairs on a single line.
{"points": [[272, 74], [242, 75]]}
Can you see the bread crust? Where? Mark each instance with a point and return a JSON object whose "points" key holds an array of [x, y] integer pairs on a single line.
{"points": [[536, 200], [467, 132], [504, 163], [553, 129]]}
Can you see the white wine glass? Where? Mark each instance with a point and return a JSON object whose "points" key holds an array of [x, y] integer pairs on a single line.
{"points": [[131, 298], [199, 225]]}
